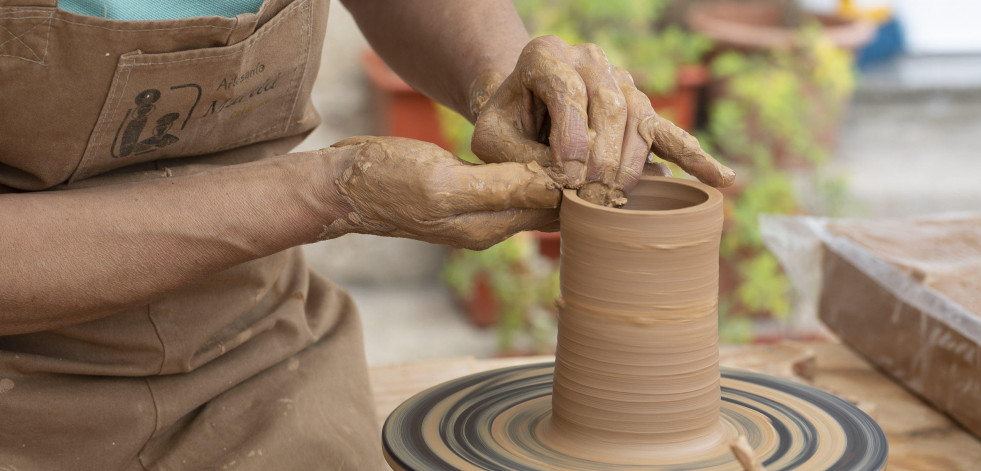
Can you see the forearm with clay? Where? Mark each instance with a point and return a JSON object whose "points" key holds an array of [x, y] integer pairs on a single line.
{"points": [[76, 255], [401, 187]]}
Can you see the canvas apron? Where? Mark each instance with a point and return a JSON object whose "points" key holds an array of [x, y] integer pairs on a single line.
{"points": [[260, 366]]}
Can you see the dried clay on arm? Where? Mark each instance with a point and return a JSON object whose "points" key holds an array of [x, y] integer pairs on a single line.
{"points": [[583, 120], [401, 187]]}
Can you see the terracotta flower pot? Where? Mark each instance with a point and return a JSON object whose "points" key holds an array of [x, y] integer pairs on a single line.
{"points": [[759, 26], [681, 106], [549, 244], [399, 109], [481, 306]]}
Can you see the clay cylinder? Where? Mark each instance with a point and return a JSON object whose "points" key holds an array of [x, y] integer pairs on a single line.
{"points": [[637, 361]]}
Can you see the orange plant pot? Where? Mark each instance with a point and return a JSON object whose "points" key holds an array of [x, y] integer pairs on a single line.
{"points": [[399, 109], [681, 106], [549, 244], [482, 308]]}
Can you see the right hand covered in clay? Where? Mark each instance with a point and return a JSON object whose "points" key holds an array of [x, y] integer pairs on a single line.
{"points": [[402, 187], [581, 118]]}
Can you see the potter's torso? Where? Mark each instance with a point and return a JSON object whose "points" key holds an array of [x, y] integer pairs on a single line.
{"points": [[92, 96], [96, 101], [90, 101]]}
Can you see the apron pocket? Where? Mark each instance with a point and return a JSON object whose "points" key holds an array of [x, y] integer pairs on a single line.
{"points": [[200, 101]]}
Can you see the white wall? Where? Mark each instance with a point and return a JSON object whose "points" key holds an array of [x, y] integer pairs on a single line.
{"points": [[931, 26]]}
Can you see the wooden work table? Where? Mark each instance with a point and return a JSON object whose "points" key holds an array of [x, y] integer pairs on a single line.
{"points": [[920, 438]]}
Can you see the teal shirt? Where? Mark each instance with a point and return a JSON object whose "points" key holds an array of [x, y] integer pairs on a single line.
{"points": [[159, 10]]}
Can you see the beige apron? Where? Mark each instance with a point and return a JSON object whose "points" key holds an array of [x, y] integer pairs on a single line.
{"points": [[260, 366]]}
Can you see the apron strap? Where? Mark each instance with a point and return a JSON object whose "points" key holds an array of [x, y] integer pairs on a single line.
{"points": [[31, 3], [245, 25], [270, 8]]}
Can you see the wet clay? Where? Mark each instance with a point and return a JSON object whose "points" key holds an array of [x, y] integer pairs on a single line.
{"points": [[914, 282], [401, 187], [493, 421], [637, 362], [583, 120], [745, 454], [636, 382], [944, 254]]}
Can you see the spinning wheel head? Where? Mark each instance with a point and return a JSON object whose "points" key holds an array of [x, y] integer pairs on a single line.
{"points": [[495, 421]]}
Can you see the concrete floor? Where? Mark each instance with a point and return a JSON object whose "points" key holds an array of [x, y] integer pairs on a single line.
{"points": [[909, 146], [407, 323], [912, 142]]}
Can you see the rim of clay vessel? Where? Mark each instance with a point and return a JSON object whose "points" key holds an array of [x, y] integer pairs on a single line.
{"points": [[694, 196]]}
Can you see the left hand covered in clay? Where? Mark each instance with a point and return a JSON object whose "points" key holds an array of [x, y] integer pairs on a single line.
{"points": [[400, 187], [583, 120]]}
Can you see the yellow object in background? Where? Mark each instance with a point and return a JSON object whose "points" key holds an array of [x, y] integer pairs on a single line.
{"points": [[878, 14]]}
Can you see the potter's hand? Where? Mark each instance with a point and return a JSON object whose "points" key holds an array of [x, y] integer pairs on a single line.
{"points": [[582, 119], [406, 188]]}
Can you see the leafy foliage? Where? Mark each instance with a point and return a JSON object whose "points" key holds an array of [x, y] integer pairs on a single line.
{"points": [[773, 109], [524, 285], [775, 112], [457, 131], [781, 105]]}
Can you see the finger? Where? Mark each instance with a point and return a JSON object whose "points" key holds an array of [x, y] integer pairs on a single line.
{"points": [[498, 138], [496, 187], [607, 115], [673, 144], [396, 144], [482, 229], [635, 148], [547, 71]]}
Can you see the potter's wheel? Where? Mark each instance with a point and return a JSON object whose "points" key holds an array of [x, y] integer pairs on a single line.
{"points": [[490, 421]]}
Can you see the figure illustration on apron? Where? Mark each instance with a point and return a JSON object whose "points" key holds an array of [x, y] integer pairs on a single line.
{"points": [[135, 121]]}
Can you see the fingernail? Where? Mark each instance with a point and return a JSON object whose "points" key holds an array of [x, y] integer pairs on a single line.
{"points": [[574, 171], [728, 176]]}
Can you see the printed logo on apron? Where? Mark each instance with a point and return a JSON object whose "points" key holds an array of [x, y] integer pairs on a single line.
{"points": [[129, 137], [204, 100]]}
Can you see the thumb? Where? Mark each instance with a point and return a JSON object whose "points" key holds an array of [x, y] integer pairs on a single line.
{"points": [[486, 228], [501, 186]]}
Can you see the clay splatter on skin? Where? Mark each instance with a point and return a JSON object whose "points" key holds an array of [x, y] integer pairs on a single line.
{"points": [[406, 188], [636, 383], [6, 384], [597, 140]]}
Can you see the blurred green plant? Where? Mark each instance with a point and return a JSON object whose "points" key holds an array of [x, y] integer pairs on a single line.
{"points": [[775, 116], [523, 283], [627, 30], [783, 107], [457, 131], [773, 112], [761, 288]]}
